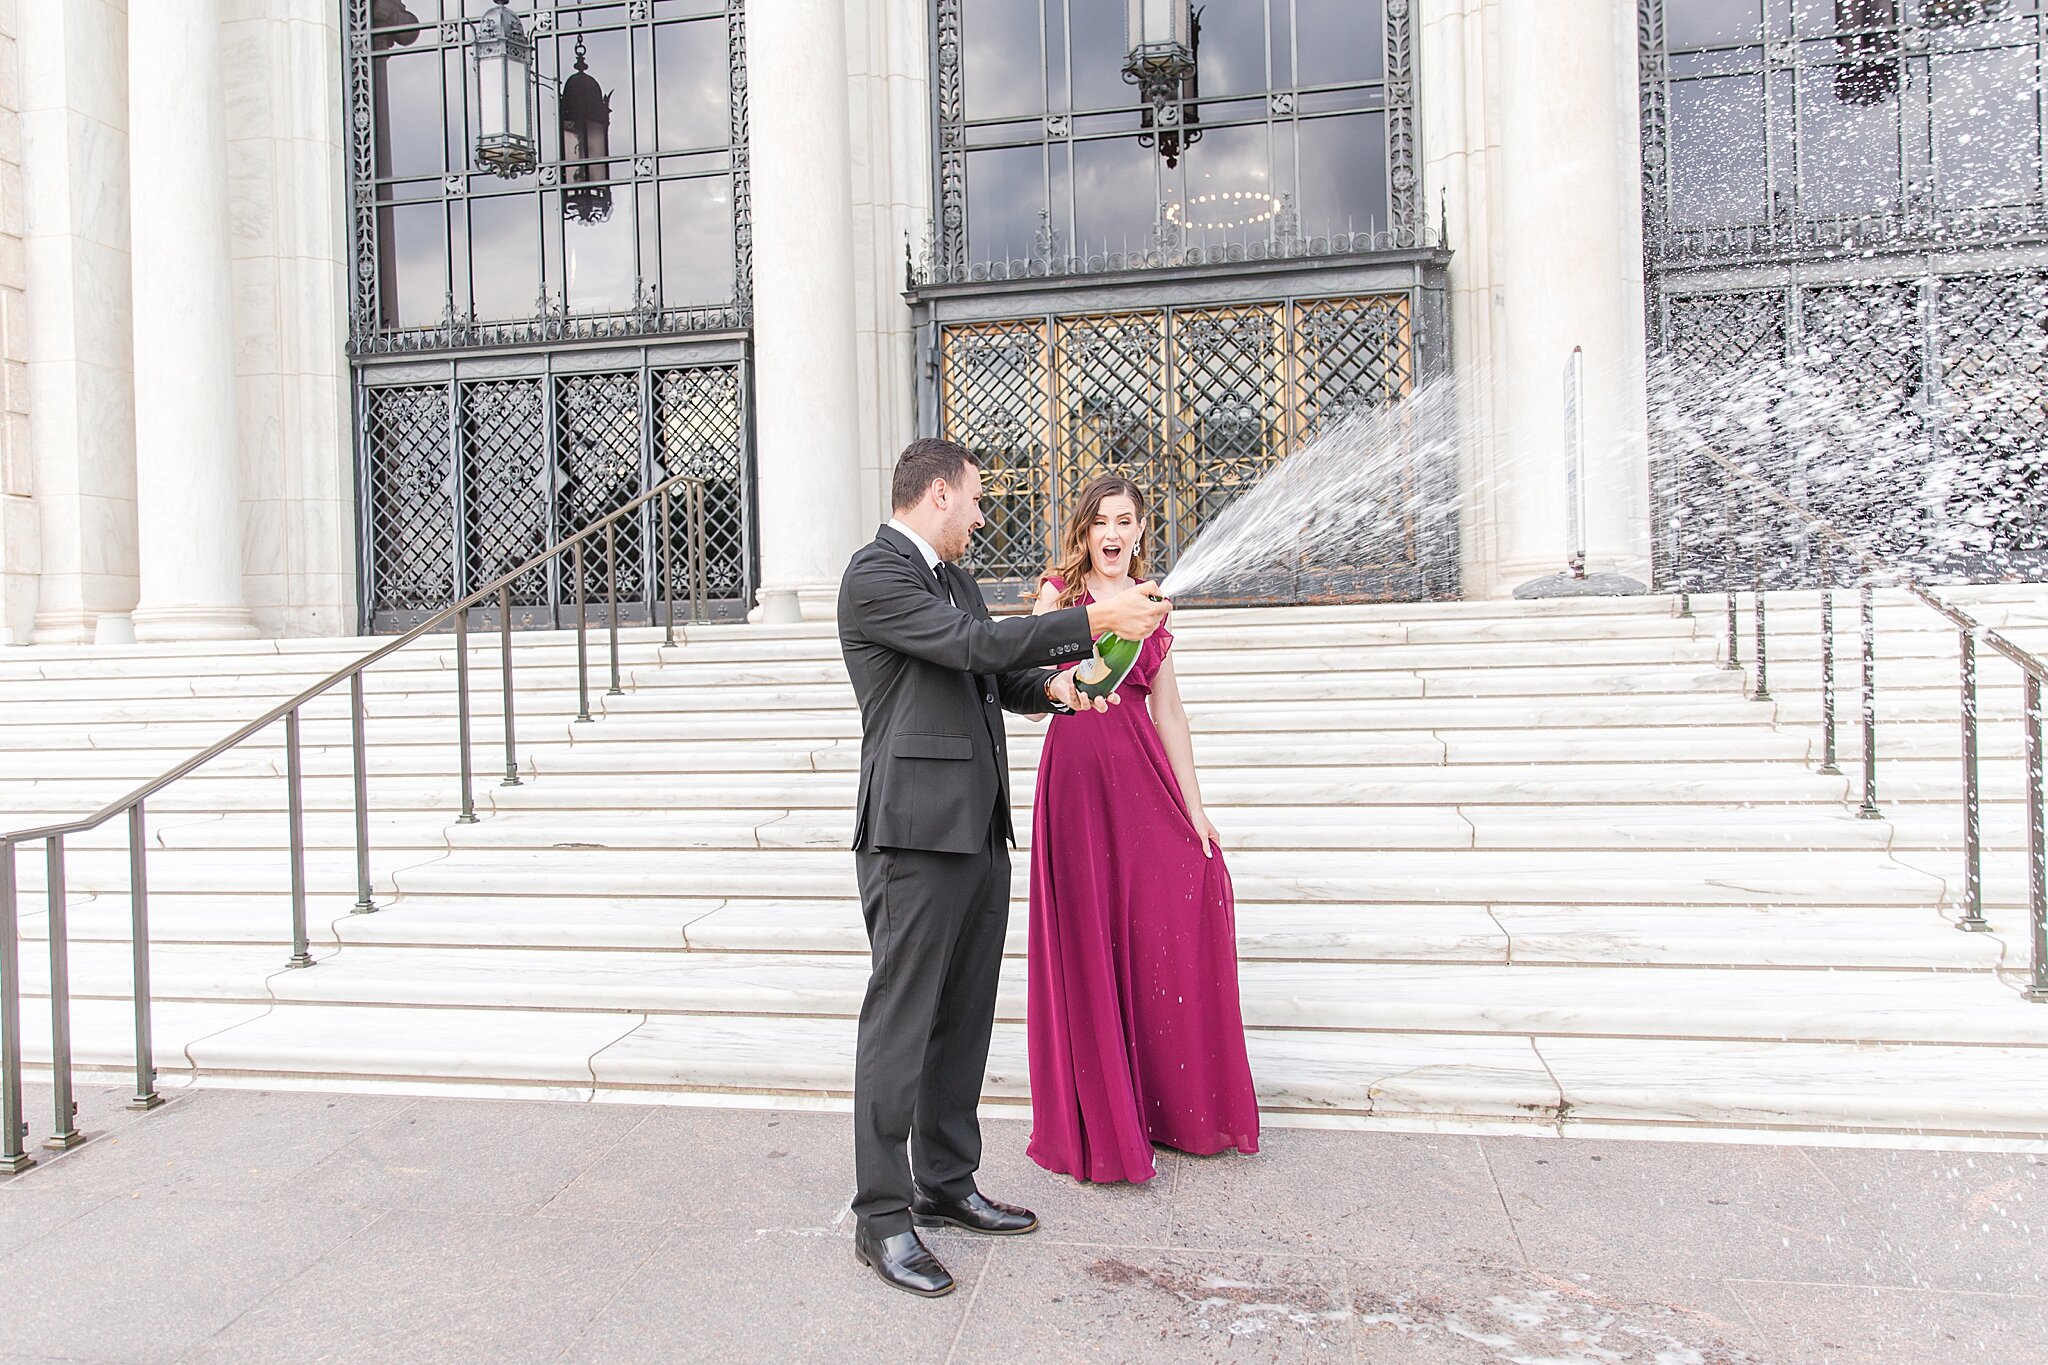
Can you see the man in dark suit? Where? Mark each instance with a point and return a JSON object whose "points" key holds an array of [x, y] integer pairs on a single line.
{"points": [[932, 847]]}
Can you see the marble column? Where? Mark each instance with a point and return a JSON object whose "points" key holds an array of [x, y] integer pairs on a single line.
{"points": [[1535, 160], [1568, 224], [187, 482], [807, 411], [81, 416]]}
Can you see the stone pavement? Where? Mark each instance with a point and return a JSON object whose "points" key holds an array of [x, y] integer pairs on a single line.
{"points": [[254, 1226]]}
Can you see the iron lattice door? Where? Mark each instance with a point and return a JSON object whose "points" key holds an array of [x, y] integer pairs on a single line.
{"points": [[466, 478], [1906, 412], [1193, 404]]}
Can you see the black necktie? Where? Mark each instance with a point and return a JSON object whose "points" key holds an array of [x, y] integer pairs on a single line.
{"points": [[939, 572]]}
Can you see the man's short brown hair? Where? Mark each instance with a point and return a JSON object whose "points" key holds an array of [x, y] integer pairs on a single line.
{"points": [[923, 460]]}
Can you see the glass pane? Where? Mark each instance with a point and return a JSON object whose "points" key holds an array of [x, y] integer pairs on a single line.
{"points": [[504, 252], [1709, 23], [1005, 194], [396, 13], [692, 77], [415, 263], [598, 259], [1987, 137], [1339, 40], [1229, 195], [1848, 150], [696, 242], [1230, 47], [1096, 32], [1717, 151], [1116, 195], [407, 90], [1343, 174], [1001, 66]]}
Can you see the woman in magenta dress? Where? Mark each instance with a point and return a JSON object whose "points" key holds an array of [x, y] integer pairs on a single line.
{"points": [[1135, 1032]]}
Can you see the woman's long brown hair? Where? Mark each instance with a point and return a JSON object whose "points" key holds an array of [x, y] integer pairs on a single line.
{"points": [[1072, 566]]}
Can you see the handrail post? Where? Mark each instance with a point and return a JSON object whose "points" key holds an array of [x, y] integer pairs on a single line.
{"points": [[138, 913], [505, 674], [666, 591], [582, 635], [1756, 582], [295, 817], [2037, 846], [1828, 758], [1973, 829], [700, 554], [611, 590], [468, 816], [64, 1133], [1734, 661], [13, 1154], [359, 744], [1868, 611]]}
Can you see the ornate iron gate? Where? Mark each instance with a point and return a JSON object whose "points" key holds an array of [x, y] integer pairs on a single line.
{"points": [[1194, 404], [1943, 380], [465, 476]]}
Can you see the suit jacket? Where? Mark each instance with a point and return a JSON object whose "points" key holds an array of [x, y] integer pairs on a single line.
{"points": [[933, 680]]}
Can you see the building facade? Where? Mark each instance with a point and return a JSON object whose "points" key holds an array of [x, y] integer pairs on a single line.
{"points": [[299, 343]]}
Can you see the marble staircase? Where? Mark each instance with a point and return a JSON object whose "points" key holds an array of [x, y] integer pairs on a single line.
{"points": [[1540, 865]]}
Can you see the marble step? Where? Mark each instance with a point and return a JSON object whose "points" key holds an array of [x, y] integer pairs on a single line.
{"points": [[1663, 934], [623, 727], [1386, 1080], [1904, 782], [1504, 784], [557, 748], [1417, 823], [1547, 876], [1744, 1004]]}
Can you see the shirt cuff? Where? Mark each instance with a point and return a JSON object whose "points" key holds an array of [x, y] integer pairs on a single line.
{"points": [[1053, 706]]}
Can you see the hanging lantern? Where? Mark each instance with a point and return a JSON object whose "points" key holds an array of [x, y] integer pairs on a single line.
{"points": [[505, 142], [1868, 42], [1162, 38], [586, 142]]}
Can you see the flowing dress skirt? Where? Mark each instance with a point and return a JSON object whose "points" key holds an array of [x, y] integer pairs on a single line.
{"points": [[1134, 1028]]}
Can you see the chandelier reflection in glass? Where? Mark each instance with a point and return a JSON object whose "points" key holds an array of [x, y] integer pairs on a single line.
{"points": [[1164, 37], [506, 143], [586, 141]]}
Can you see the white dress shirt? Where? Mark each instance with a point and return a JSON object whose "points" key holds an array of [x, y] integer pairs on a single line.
{"points": [[931, 556], [924, 547]]}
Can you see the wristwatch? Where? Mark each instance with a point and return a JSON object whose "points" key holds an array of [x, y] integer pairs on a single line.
{"points": [[1052, 703]]}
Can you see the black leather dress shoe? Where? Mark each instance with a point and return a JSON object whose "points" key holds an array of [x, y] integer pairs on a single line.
{"points": [[902, 1261], [977, 1213]]}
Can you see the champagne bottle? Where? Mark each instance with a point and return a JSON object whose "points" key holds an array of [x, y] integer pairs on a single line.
{"points": [[1108, 667]]}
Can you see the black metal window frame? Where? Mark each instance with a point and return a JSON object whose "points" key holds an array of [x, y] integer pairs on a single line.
{"points": [[432, 434], [947, 260], [1785, 56], [553, 319]]}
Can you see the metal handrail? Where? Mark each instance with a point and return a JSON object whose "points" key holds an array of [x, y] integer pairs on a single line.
{"points": [[1870, 569], [65, 1134]]}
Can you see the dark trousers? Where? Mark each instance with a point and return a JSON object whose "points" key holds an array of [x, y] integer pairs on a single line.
{"points": [[935, 925]]}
